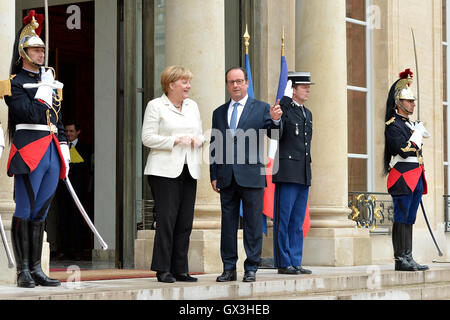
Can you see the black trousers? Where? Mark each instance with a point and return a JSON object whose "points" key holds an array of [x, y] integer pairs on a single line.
{"points": [[252, 205], [174, 204]]}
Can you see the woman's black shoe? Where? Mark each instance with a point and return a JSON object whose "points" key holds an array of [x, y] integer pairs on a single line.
{"points": [[165, 277], [184, 277]]}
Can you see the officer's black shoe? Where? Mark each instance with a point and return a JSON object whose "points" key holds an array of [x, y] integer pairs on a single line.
{"points": [[302, 270], [400, 244], [408, 250], [166, 277], [20, 244], [288, 270], [419, 267], [184, 277], [227, 276], [36, 236], [402, 264], [249, 276]]}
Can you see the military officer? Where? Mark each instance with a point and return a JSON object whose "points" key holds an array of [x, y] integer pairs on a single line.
{"points": [[292, 175], [39, 153], [403, 163]]}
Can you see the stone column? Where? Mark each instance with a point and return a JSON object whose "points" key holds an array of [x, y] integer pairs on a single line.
{"points": [[7, 205], [321, 49], [195, 39]]}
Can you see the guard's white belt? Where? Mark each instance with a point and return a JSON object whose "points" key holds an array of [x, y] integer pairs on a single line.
{"points": [[39, 127], [398, 158]]}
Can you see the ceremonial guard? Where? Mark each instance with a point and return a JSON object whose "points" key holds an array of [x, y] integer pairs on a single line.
{"points": [[403, 163], [39, 154], [292, 175]]}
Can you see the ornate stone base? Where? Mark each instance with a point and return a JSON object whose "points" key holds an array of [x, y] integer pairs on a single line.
{"points": [[204, 251], [337, 247]]}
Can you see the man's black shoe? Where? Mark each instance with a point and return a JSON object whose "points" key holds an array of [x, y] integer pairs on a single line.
{"points": [[184, 277], [288, 270], [227, 276], [166, 277], [249, 276], [302, 270]]}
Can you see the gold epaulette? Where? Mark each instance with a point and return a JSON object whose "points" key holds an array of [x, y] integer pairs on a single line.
{"points": [[409, 148], [391, 121], [5, 87], [60, 94]]}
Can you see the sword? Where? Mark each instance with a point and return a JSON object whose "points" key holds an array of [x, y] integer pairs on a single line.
{"points": [[5, 243], [84, 214], [418, 118]]}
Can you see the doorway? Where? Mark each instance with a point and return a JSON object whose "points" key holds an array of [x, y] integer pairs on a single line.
{"points": [[71, 54]]}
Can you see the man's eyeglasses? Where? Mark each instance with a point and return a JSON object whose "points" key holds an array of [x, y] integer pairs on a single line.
{"points": [[239, 82]]}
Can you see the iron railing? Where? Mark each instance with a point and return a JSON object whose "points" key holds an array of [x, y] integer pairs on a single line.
{"points": [[374, 210], [447, 212], [146, 215]]}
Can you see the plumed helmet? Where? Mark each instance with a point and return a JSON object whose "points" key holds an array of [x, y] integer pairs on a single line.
{"points": [[30, 34], [400, 90]]}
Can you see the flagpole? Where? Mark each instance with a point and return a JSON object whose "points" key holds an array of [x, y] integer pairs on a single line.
{"points": [[282, 44], [246, 39], [47, 27]]}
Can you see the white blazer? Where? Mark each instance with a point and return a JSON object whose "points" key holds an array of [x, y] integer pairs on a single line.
{"points": [[163, 123]]}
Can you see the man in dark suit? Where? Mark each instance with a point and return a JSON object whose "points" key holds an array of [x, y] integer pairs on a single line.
{"points": [[71, 225], [237, 171], [292, 175]]}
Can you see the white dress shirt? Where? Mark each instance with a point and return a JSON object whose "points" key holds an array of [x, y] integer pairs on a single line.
{"points": [[240, 108]]}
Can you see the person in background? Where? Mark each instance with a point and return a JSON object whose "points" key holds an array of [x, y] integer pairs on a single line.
{"points": [[72, 228]]}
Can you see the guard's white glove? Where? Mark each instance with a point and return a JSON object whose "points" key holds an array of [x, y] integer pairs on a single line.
{"points": [[417, 138], [2, 141], [288, 91], [66, 155], [46, 86], [418, 125]]}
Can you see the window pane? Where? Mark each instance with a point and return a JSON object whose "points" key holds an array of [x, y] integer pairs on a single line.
{"points": [[446, 180], [357, 175], [444, 71], [357, 127], [356, 9], [356, 55], [444, 20], [445, 134]]}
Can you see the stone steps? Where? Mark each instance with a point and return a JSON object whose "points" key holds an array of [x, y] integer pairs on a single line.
{"points": [[326, 283]]}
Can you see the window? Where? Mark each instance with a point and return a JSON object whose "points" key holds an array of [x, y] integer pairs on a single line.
{"points": [[445, 68], [359, 92]]}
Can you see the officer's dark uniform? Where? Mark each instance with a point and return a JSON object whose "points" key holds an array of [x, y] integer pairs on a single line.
{"points": [[292, 179], [406, 180], [35, 159]]}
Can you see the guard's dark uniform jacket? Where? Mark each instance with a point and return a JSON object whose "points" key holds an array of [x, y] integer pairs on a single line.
{"points": [[403, 176], [293, 158], [29, 146]]}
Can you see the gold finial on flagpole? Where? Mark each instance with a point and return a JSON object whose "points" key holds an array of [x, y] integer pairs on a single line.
{"points": [[282, 44], [246, 39]]}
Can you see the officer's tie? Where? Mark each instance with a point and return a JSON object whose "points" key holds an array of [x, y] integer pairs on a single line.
{"points": [[233, 121]]}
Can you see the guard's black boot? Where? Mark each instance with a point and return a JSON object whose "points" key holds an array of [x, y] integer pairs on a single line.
{"points": [[399, 245], [408, 252], [36, 232], [20, 244]]}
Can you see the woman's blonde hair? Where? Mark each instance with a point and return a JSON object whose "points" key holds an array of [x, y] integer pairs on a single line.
{"points": [[172, 74]]}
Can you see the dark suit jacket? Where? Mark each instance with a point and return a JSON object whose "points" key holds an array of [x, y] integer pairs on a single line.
{"points": [[79, 172], [293, 158], [243, 154]]}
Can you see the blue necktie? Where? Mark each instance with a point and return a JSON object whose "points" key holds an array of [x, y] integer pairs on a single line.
{"points": [[233, 121]]}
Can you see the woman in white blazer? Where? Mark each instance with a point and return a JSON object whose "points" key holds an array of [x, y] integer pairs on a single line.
{"points": [[172, 129]]}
